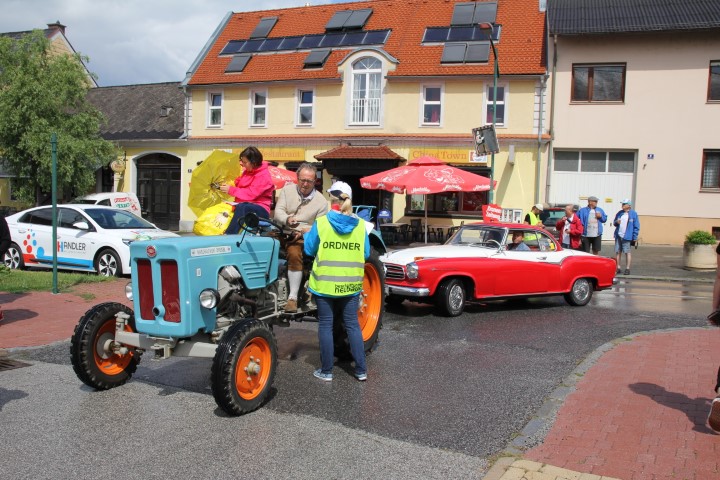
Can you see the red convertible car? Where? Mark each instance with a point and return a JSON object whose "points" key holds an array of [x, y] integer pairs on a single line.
{"points": [[494, 261]]}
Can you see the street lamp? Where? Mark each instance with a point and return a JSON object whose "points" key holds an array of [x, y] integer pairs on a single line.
{"points": [[488, 27]]}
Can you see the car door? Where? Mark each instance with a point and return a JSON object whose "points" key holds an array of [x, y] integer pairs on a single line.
{"points": [[75, 245], [35, 229], [521, 272]]}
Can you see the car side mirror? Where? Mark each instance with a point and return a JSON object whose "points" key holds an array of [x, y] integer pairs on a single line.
{"points": [[81, 225]]}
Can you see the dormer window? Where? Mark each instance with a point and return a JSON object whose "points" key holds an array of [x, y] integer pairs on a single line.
{"points": [[165, 110]]}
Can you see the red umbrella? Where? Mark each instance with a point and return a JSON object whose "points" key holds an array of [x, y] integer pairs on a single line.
{"points": [[426, 175], [281, 177]]}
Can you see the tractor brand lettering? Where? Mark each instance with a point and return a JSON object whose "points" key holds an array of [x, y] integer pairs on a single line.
{"points": [[348, 288], [151, 252], [341, 245], [202, 252], [70, 247]]}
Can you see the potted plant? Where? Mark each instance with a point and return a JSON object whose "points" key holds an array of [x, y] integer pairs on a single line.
{"points": [[699, 251]]}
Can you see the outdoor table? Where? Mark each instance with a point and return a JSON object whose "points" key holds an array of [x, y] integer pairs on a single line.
{"points": [[439, 229], [393, 228]]}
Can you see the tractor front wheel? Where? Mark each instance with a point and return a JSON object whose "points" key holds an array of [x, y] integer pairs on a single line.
{"points": [[244, 367], [94, 360]]}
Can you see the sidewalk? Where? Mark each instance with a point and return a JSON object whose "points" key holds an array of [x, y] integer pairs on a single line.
{"points": [[639, 413]]}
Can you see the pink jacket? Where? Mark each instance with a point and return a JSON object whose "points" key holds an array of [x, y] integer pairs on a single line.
{"points": [[254, 186], [576, 230]]}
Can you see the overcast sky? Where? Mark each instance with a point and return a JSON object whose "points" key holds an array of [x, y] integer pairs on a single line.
{"points": [[134, 41]]}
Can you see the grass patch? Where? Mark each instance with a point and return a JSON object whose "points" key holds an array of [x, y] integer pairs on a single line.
{"points": [[21, 281]]}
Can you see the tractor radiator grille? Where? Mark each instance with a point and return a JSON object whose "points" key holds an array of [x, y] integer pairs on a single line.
{"points": [[170, 295], [145, 287]]}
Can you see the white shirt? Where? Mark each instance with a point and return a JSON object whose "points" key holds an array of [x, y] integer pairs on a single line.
{"points": [[566, 230], [592, 226], [623, 224]]}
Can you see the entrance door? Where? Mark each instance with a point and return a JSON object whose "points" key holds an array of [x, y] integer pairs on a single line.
{"points": [[159, 190]]}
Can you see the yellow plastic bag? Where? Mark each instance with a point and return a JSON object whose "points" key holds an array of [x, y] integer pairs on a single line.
{"points": [[214, 220]]}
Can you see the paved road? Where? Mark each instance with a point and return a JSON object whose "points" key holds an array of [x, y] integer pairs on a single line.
{"points": [[443, 395]]}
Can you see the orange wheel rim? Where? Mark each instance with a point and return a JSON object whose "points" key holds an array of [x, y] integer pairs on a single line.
{"points": [[370, 302], [253, 368], [108, 362]]}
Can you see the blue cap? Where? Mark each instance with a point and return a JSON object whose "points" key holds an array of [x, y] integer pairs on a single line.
{"points": [[627, 201]]}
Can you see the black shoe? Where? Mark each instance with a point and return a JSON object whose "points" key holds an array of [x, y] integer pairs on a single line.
{"points": [[627, 271]]}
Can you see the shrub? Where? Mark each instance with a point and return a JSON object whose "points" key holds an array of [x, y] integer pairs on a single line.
{"points": [[700, 237]]}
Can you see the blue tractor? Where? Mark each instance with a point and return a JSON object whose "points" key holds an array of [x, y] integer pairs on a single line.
{"points": [[217, 297]]}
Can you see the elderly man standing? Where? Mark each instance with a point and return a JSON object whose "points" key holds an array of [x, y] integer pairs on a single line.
{"points": [[297, 207], [592, 218], [627, 229]]}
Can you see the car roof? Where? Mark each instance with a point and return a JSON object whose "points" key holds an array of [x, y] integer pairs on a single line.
{"points": [[104, 195], [513, 226], [79, 206]]}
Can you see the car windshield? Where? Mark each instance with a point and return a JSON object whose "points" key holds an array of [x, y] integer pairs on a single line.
{"points": [[83, 201], [478, 235], [112, 219]]}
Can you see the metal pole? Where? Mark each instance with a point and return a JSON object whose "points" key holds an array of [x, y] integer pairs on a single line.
{"points": [[496, 74], [53, 143]]}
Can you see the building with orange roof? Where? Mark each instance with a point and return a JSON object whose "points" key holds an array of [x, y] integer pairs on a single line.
{"points": [[362, 87]]}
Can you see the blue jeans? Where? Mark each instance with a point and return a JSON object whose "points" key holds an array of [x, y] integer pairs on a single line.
{"points": [[346, 307], [242, 209]]}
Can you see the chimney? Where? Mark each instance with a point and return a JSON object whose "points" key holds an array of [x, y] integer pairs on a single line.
{"points": [[57, 26]]}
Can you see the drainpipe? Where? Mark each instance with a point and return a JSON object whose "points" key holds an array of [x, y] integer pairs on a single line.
{"points": [[538, 167], [186, 114], [552, 118]]}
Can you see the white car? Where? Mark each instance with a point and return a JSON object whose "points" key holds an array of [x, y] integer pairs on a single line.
{"points": [[122, 200], [90, 238]]}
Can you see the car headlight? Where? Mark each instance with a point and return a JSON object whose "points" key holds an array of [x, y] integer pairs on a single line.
{"points": [[129, 291], [412, 270], [209, 298]]}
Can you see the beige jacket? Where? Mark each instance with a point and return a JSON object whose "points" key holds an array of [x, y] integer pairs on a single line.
{"points": [[290, 203]]}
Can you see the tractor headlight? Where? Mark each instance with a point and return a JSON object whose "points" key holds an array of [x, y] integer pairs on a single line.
{"points": [[128, 291], [411, 270], [209, 298]]}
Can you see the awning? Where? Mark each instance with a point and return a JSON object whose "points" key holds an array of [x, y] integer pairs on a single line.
{"points": [[339, 160]]}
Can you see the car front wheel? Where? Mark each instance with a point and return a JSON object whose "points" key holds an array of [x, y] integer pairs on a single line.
{"points": [[580, 293], [108, 264], [450, 297]]}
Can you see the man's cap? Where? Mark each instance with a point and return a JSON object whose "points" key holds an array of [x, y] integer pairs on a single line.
{"points": [[338, 188], [627, 201], [592, 198], [539, 206]]}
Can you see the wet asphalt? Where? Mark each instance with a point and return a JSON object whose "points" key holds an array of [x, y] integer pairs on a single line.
{"points": [[443, 394]]}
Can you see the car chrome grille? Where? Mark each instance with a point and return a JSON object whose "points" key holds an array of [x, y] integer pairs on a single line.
{"points": [[394, 272]]}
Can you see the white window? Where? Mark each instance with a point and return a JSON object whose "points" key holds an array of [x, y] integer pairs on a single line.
{"points": [[305, 102], [366, 92], [500, 118], [432, 105], [215, 101], [258, 108]]}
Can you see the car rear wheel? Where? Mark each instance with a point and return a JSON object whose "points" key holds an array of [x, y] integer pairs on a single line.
{"points": [[580, 293], [450, 297], [107, 264], [13, 257]]}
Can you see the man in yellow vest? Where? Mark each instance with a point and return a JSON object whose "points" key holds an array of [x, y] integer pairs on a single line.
{"points": [[533, 216], [340, 244]]}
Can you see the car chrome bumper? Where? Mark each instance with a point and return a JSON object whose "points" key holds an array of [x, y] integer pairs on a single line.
{"points": [[407, 291], [615, 281]]}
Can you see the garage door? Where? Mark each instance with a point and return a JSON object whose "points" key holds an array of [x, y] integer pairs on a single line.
{"points": [[609, 175]]}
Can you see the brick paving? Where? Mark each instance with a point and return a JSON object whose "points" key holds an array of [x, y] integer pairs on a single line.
{"points": [[41, 318], [641, 411]]}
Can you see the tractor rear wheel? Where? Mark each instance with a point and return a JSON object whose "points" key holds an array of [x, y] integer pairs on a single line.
{"points": [[371, 306], [244, 367], [93, 359]]}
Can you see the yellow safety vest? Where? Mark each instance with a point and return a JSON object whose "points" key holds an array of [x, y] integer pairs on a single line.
{"points": [[339, 265], [534, 219]]}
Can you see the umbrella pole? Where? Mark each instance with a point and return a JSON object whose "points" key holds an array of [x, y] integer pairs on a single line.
{"points": [[426, 226]]}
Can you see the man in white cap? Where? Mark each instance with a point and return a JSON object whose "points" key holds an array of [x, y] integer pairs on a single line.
{"points": [[592, 218], [627, 229], [298, 206], [533, 216]]}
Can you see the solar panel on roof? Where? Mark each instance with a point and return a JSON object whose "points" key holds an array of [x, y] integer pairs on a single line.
{"points": [[311, 41], [338, 20], [238, 63], [290, 43], [251, 46], [263, 28], [358, 18], [233, 46], [463, 14], [453, 53], [270, 45], [460, 34], [377, 37], [485, 12], [477, 52], [332, 40], [354, 38], [316, 58], [436, 34]]}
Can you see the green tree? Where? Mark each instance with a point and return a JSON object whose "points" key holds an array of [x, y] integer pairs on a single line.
{"points": [[42, 92]]}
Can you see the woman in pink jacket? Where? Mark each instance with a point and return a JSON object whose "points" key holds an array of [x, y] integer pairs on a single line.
{"points": [[253, 189]]}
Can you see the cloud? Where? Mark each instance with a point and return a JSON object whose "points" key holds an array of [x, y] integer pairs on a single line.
{"points": [[133, 41]]}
